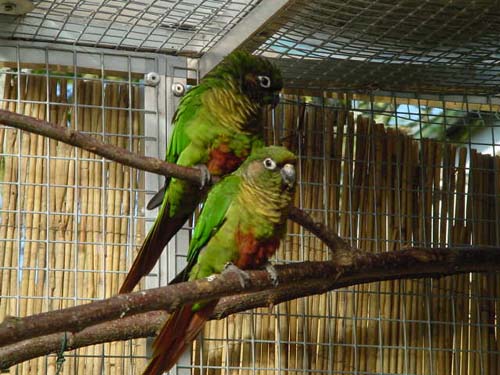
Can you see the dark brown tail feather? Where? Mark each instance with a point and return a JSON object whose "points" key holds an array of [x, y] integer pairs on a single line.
{"points": [[175, 336], [151, 249]]}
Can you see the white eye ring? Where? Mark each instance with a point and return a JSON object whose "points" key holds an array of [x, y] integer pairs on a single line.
{"points": [[269, 163], [264, 81]]}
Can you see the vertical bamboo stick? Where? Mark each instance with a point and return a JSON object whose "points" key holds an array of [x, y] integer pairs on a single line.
{"points": [[473, 214], [339, 118], [41, 206], [8, 229], [434, 301], [496, 357], [318, 303], [314, 310], [39, 220], [459, 237], [445, 340], [93, 260], [55, 204], [411, 306], [289, 325], [384, 196], [484, 216], [387, 357], [119, 209], [342, 354], [82, 264], [400, 187], [337, 163], [33, 179], [245, 354], [451, 282], [28, 144], [363, 198]]}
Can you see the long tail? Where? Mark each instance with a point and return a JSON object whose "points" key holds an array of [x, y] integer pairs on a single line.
{"points": [[175, 336], [162, 231]]}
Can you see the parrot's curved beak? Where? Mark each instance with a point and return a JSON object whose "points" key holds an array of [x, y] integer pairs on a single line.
{"points": [[288, 175]]}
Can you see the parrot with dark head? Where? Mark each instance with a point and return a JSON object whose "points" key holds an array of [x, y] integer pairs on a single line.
{"points": [[216, 126], [241, 223]]}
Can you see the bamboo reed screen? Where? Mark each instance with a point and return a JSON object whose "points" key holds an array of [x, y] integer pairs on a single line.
{"points": [[68, 219], [383, 191]]}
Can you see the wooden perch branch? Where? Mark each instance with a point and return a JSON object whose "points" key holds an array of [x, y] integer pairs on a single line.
{"points": [[135, 315], [108, 151], [145, 163], [320, 230]]}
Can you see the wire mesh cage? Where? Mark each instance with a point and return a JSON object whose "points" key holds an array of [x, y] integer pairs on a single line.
{"points": [[188, 27], [439, 46], [392, 109]]}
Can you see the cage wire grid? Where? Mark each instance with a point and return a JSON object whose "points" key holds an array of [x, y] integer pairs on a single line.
{"points": [[441, 46], [188, 27]]}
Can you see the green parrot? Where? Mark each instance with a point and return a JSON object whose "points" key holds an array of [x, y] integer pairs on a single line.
{"points": [[241, 224], [216, 126]]}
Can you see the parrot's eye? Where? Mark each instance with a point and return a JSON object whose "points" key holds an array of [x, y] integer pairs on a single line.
{"points": [[269, 163], [264, 81]]}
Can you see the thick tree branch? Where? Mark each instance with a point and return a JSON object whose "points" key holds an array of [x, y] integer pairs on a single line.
{"points": [[145, 163], [128, 320]]}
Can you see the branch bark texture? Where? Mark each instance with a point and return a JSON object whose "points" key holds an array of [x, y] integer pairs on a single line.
{"points": [[136, 314], [111, 152]]}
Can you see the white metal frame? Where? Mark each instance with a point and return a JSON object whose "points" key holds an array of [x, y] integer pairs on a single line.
{"points": [[240, 33]]}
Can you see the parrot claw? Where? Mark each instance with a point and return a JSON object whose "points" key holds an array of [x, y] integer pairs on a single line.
{"points": [[273, 274], [242, 275], [206, 177]]}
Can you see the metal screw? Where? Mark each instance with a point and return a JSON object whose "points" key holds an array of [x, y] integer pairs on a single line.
{"points": [[178, 89], [152, 79]]}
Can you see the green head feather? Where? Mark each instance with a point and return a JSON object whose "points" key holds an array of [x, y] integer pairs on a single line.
{"points": [[255, 76]]}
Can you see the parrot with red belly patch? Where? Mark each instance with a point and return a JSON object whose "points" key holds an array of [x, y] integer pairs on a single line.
{"points": [[241, 223], [216, 126]]}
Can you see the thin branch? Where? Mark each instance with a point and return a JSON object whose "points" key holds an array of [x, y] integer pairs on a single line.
{"points": [[108, 151], [296, 280], [145, 163], [320, 230]]}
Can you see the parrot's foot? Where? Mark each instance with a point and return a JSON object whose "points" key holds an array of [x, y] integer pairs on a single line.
{"points": [[206, 177], [242, 275], [273, 274]]}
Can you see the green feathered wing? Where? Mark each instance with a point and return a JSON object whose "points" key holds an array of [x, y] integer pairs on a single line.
{"points": [[212, 217]]}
